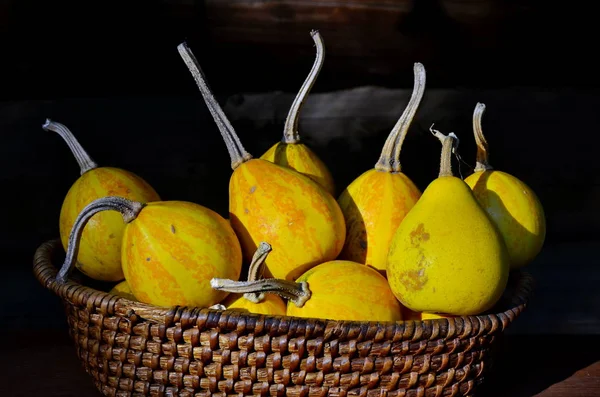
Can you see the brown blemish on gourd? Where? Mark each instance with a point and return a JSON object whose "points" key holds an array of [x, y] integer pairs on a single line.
{"points": [[173, 229], [416, 279], [419, 235], [253, 189]]}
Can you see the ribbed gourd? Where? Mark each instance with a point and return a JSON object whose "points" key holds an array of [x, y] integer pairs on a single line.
{"points": [[510, 202], [291, 151], [100, 247], [377, 201], [268, 202], [260, 303], [171, 250], [334, 290], [447, 256]]}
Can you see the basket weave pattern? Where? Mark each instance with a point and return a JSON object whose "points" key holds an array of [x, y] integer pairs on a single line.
{"points": [[134, 349]]}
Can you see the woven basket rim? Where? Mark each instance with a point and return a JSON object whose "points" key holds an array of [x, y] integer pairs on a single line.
{"points": [[110, 304]]}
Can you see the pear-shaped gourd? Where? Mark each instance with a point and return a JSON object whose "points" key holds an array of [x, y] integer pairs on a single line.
{"points": [[510, 202], [334, 290], [171, 250], [260, 303], [123, 290], [100, 247], [375, 203], [268, 202], [447, 256], [291, 151]]}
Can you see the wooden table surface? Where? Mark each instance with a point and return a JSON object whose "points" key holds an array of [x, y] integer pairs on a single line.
{"points": [[526, 366]]}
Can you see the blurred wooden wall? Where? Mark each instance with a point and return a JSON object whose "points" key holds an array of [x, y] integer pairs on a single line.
{"points": [[70, 48]]}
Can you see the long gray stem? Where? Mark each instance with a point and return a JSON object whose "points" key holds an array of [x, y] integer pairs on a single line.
{"points": [[290, 130], [128, 209], [389, 160], [236, 150], [482, 162], [83, 158], [298, 293], [256, 270]]}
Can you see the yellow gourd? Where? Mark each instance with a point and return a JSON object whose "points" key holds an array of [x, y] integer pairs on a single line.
{"points": [[447, 256], [171, 250], [123, 290], [375, 203], [510, 202], [100, 248], [268, 202], [291, 151], [259, 303], [334, 290]]}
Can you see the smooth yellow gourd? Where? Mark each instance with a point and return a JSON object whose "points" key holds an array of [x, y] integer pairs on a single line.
{"points": [[100, 247], [260, 303], [334, 290], [510, 202], [268, 202], [291, 151], [447, 256], [376, 202], [171, 250]]}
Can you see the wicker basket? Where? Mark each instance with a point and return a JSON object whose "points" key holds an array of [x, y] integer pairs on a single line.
{"points": [[135, 349]]}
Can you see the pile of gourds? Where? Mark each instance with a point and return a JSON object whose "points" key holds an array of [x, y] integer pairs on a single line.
{"points": [[382, 251]]}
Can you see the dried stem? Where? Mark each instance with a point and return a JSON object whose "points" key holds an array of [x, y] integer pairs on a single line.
{"points": [[482, 163], [290, 131], [298, 293], [83, 158], [389, 161], [128, 209], [236, 150], [256, 270], [448, 144]]}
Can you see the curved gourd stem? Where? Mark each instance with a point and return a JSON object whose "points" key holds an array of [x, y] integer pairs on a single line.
{"points": [[83, 158], [127, 208], [290, 130], [482, 163], [256, 270], [236, 150], [298, 293], [448, 144], [389, 161]]}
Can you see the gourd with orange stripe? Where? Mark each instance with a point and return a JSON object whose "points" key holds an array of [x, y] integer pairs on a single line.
{"points": [[511, 203], [261, 303], [375, 203], [291, 151], [171, 250], [100, 248], [333, 290], [268, 202], [123, 290]]}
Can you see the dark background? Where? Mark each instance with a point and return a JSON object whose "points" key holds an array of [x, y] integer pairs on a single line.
{"points": [[110, 71]]}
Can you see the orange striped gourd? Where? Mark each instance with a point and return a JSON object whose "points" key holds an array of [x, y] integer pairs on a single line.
{"points": [[375, 203], [171, 250], [100, 248], [268, 202], [333, 290]]}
